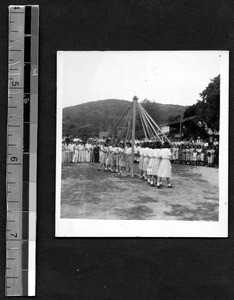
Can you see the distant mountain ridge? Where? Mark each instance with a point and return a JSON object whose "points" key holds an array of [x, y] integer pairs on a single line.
{"points": [[88, 119]]}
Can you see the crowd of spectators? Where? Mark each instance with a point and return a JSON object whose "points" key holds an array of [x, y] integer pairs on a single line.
{"points": [[196, 152], [184, 151]]}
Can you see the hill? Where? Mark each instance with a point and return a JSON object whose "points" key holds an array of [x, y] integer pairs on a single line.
{"points": [[88, 119]]}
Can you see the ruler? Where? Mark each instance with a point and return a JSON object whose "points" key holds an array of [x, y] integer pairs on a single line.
{"points": [[22, 150]]}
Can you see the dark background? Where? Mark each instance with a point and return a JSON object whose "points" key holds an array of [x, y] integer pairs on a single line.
{"points": [[118, 268]]}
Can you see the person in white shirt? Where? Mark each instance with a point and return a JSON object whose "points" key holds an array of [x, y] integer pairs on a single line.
{"points": [[151, 162], [70, 152], [109, 160], [122, 161], [106, 147], [113, 161], [157, 160], [80, 152], [128, 153], [87, 152], [206, 144], [215, 143], [146, 160], [114, 158], [141, 159], [117, 156], [164, 170], [102, 156], [75, 153], [67, 152]]}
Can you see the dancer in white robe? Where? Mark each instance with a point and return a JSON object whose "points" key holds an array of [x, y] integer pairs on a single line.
{"points": [[156, 164], [146, 160], [87, 151], [151, 162], [70, 154], [81, 153], [102, 156], [75, 153], [141, 159], [164, 170]]}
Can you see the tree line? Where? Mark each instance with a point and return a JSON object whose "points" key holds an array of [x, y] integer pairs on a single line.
{"points": [[206, 111]]}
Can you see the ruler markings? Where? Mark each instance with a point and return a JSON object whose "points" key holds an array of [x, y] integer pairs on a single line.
{"points": [[15, 63], [14, 164], [24, 284], [15, 248], [16, 88], [14, 240]]}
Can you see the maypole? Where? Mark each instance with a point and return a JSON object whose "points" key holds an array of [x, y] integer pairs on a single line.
{"points": [[133, 134], [150, 127]]}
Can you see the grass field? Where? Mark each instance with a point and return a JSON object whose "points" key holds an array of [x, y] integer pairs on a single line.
{"points": [[90, 194]]}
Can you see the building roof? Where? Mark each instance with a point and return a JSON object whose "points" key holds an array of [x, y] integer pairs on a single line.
{"points": [[177, 122]]}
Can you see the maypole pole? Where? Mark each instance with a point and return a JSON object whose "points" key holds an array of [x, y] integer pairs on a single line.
{"points": [[133, 134]]}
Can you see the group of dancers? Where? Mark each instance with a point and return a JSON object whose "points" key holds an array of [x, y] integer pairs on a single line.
{"points": [[154, 157], [154, 160]]}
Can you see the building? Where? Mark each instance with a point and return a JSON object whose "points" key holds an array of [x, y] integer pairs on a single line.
{"points": [[187, 127], [103, 134], [165, 129], [178, 128]]}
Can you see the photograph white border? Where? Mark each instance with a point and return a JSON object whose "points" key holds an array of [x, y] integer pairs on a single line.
{"points": [[149, 228]]}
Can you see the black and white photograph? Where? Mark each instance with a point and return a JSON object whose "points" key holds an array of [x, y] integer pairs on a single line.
{"points": [[142, 143]]}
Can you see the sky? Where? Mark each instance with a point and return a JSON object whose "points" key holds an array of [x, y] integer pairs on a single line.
{"points": [[168, 77]]}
